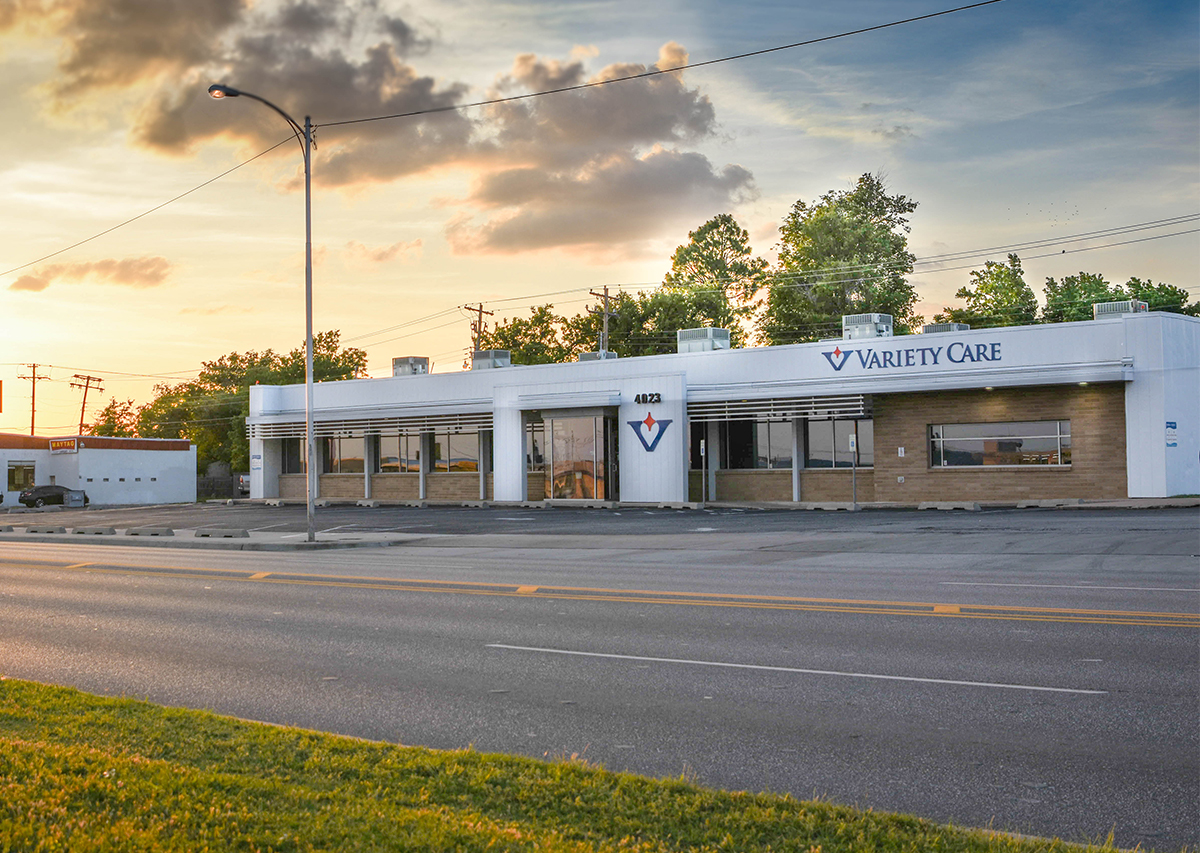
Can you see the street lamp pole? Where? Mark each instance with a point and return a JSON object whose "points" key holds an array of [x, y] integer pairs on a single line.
{"points": [[304, 137]]}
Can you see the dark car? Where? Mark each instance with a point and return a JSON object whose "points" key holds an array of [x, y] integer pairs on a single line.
{"points": [[44, 495]]}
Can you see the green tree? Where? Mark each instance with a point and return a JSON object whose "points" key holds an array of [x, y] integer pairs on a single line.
{"points": [[536, 340], [118, 418], [1072, 298], [996, 296], [718, 255], [1162, 297], [844, 254], [211, 409]]}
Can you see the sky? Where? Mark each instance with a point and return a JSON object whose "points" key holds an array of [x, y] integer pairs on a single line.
{"points": [[1017, 122]]}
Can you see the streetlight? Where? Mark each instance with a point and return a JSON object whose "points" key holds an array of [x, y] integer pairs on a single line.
{"points": [[304, 137]]}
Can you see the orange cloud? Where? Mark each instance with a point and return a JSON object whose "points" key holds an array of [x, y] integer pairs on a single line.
{"points": [[138, 273]]}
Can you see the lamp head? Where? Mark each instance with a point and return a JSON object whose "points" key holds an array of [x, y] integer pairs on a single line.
{"points": [[220, 90]]}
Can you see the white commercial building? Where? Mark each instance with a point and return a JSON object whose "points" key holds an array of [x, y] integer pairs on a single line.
{"points": [[1103, 409], [109, 470]]}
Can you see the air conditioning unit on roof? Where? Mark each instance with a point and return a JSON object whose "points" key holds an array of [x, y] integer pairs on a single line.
{"points": [[410, 365], [486, 359], [1110, 309], [597, 356], [934, 328], [856, 326], [701, 340]]}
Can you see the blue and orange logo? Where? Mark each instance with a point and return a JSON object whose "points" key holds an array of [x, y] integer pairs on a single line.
{"points": [[646, 432]]}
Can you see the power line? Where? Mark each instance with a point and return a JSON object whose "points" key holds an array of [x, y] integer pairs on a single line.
{"points": [[144, 214], [655, 72]]}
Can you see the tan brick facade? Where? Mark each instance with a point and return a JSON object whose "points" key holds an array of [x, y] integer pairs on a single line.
{"points": [[1097, 470]]}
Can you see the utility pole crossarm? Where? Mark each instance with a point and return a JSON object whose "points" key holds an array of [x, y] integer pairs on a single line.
{"points": [[87, 383], [607, 314], [34, 377]]}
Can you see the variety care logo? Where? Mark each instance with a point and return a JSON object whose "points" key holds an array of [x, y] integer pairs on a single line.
{"points": [[646, 432], [870, 358]]}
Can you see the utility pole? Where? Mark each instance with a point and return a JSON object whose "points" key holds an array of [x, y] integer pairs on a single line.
{"points": [[607, 314], [477, 323], [34, 377], [88, 382]]}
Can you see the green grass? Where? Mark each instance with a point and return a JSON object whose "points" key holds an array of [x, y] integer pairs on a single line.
{"points": [[86, 773]]}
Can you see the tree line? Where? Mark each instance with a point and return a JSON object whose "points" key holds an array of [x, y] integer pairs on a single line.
{"points": [[844, 253]]}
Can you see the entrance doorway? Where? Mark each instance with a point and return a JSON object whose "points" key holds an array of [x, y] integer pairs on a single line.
{"points": [[581, 459]]}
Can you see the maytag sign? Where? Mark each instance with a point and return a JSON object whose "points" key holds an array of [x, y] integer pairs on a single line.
{"points": [[876, 358]]}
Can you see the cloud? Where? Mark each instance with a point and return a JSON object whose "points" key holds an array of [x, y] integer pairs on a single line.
{"points": [[622, 199], [341, 60], [382, 254], [138, 273]]}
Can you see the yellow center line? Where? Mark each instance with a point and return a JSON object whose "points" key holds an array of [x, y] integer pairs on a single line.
{"points": [[664, 597]]}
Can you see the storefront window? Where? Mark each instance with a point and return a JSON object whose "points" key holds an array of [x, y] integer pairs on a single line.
{"points": [[827, 443], [342, 456], [1016, 443], [399, 454], [293, 456], [535, 447], [462, 451], [20, 476]]}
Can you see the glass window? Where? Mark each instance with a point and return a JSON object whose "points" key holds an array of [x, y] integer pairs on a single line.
{"points": [[827, 443], [20, 476], [738, 442], [462, 452], [535, 446], [293, 456], [1015, 443], [342, 456], [866, 443], [398, 453], [818, 448]]}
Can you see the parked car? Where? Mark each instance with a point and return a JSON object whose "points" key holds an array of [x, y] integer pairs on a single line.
{"points": [[44, 495]]}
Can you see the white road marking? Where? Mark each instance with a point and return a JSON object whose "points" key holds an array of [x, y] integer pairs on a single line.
{"points": [[1074, 586], [797, 670]]}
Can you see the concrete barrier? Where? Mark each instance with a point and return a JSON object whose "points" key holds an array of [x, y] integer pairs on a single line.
{"points": [[969, 506], [6, 528], [44, 528], [367, 503], [273, 502], [94, 531], [845, 506], [150, 531], [222, 533]]}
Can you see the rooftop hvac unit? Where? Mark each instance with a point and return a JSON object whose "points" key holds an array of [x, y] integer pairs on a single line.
{"points": [[701, 340], [856, 326], [410, 365], [486, 359], [597, 356], [933, 328], [1109, 309]]}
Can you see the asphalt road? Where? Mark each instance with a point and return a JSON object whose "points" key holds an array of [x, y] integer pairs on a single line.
{"points": [[1033, 671]]}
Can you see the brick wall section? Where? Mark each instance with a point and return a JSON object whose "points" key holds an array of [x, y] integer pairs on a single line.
{"points": [[837, 484], [455, 486], [752, 484], [341, 487], [1096, 413], [535, 485], [775, 485], [292, 487], [396, 487]]}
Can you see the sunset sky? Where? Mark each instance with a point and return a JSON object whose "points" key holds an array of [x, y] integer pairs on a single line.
{"points": [[1016, 122]]}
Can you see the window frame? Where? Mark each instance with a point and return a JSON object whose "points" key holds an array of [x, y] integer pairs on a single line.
{"points": [[936, 440]]}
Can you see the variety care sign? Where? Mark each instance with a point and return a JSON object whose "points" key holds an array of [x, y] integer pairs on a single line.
{"points": [[878, 358]]}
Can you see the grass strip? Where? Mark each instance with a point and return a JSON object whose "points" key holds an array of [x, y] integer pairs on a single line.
{"points": [[87, 773]]}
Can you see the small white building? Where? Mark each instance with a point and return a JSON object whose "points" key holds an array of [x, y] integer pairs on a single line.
{"points": [[1108, 408], [110, 470]]}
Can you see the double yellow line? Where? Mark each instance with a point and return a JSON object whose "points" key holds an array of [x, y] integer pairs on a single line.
{"points": [[641, 596]]}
